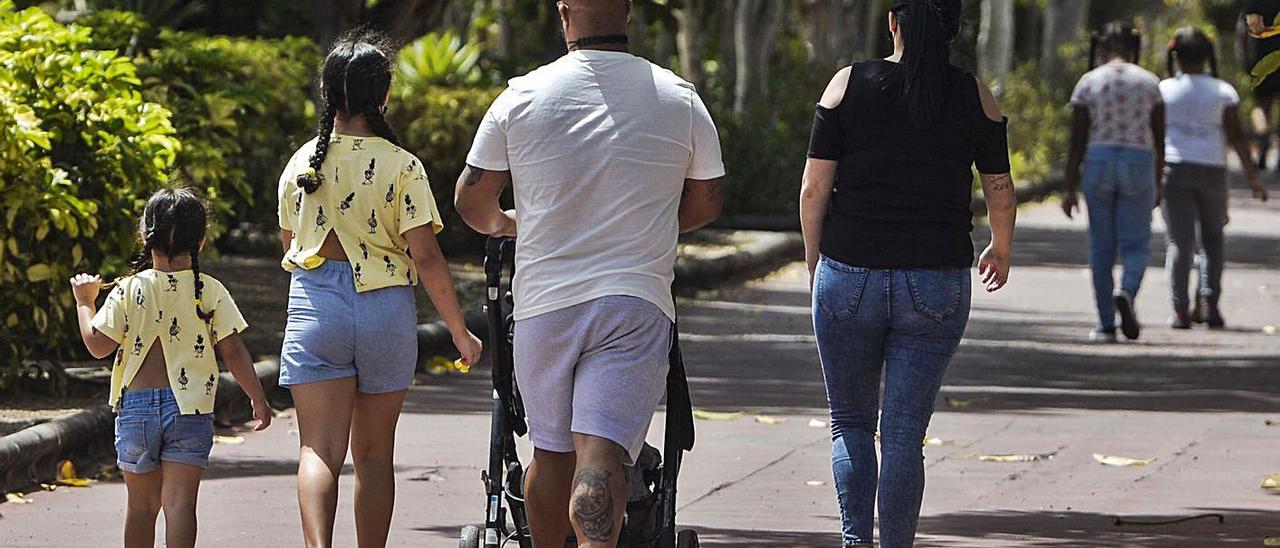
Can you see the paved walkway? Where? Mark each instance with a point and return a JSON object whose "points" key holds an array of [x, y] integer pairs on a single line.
{"points": [[1023, 382]]}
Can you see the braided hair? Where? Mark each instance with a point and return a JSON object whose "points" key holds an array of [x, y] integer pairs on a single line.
{"points": [[354, 81], [174, 223], [928, 27], [1116, 38], [1191, 46]]}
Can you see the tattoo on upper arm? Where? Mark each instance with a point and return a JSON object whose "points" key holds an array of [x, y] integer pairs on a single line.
{"points": [[998, 183], [471, 175], [593, 504]]}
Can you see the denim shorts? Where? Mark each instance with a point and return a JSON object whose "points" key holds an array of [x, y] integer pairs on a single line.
{"points": [[333, 332], [151, 429]]}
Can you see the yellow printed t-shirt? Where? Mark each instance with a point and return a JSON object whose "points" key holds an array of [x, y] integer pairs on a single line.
{"points": [[159, 306], [371, 193]]}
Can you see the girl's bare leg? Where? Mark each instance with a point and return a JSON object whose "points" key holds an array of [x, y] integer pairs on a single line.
{"points": [[323, 410], [373, 437], [178, 498], [143, 507]]}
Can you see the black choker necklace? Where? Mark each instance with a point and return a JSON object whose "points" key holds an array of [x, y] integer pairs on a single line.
{"points": [[586, 41]]}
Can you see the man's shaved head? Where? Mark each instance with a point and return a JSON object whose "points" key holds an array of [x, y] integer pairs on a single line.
{"points": [[583, 18]]}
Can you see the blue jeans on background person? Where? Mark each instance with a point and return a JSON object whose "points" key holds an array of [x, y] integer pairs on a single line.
{"points": [[905, 324], [1120, 192]]}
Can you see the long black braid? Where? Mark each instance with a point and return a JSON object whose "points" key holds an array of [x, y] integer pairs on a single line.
{"points": [[1116, 38], [354, 81], [927, 27], [174, 223], [1191, 46]]}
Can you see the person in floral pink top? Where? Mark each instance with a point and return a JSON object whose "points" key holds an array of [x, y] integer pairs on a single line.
{"points": [[1117, 122]]}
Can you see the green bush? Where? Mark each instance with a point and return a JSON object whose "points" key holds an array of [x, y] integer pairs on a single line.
{"points": [[240, 106], [437, 59], [438, 124], [80, 150]]}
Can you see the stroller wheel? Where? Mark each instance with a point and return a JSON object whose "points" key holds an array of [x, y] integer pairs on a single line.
{"points": [[687, 538], [470, 537]]}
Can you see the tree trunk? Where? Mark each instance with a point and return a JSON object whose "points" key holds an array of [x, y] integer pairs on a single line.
{"points": [[688, 41], [405, 20], [875, 22], [1064, 21], [334, 17], [829, 30], [754, 27], [728, 56], [995, 39]]}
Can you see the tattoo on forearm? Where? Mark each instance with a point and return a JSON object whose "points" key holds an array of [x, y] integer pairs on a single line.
{"points": [[999, 183], [472, 175], [593, 504]]}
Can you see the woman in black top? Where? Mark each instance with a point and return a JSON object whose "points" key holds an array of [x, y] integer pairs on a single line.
{"points": [[885, 208]]}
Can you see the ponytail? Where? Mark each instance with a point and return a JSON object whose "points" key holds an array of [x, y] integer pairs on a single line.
{"points": [[1116, 38], [1093, 50], [1190, 45], [927, 28]]}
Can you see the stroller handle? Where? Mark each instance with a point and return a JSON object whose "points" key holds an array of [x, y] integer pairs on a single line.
{"points": [[494, 250]]}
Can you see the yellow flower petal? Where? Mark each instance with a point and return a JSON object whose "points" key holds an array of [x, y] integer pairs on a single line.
{"points": [[229, 440], [1112, 460], [766, 419], [715, 415], [17, 498]]}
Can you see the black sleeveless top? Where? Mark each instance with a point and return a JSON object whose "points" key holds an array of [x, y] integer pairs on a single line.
{"points": [[902, 196]]}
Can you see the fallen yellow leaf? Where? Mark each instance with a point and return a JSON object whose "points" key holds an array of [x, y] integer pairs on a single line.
{"points": [[815, 483], [1271, 422], [1017, 457], [1112, 460], [1272, 482], [815, 423], [715, 415], [1271, 541], [955, 403], [67, 476], [229, 440], [1269, 329], [17, 498], [766, 419], [48, 486], [936, 441]]}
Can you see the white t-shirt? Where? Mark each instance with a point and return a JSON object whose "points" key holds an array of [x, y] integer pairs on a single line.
{"points": [[1120, 97], [1194, 104], [599, 145]]}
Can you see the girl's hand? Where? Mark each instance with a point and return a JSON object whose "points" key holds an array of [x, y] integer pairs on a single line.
{"points": [[85, 288], [994, 268], [468, 346], [1259, 192], [262, 412]]}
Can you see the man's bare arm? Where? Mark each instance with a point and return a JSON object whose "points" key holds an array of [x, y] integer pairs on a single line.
{"points": [[700, 203], [476, 199]]}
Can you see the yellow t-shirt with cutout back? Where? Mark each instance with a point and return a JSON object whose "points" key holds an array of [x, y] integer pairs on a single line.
{"points": [[153, 306], [371, 193]]}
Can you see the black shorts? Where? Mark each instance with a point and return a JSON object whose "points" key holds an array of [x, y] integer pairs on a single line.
{"points": [[1269, 88]]}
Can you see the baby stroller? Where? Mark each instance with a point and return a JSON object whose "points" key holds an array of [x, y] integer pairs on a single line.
{"points": [[650, 520]]}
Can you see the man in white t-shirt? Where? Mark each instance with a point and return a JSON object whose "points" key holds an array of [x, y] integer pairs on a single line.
{"points": [[611, 157]]}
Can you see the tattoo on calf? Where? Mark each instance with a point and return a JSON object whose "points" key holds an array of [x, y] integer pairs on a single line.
{"points": [[1003, 181], [593, 504]]}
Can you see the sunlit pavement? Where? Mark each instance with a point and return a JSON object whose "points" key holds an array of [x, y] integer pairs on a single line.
{"points": [[1024, 383]]}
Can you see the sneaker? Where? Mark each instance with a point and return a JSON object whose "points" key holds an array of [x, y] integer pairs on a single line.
{"points": [[1180, 320], [1197, 311], [1105, 336], [1128, 320], [1213, 317]]}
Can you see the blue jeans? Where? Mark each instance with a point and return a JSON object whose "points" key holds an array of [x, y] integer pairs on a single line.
{"points": [[1119, 188], [906, 324], [150, 429]]}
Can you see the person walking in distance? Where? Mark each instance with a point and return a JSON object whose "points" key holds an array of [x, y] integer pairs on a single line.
{"points": [[610, 157], [1117, 133]]}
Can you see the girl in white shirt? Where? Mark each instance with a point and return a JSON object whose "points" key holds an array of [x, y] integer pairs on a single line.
{"points": [[1202, 114]]}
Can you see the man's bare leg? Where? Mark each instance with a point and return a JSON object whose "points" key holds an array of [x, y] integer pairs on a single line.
{"points": [[1262, 130], [547, 484], [599, 496]]}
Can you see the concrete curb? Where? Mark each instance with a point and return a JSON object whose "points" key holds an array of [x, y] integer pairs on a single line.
{"points": [[31, 455]]}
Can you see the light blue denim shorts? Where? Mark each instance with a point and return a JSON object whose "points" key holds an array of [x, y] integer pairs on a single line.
{"points": [[333, 332], [151, 429]]}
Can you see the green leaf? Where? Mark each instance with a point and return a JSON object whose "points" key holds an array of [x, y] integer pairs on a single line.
{"points": [[39, 272]]}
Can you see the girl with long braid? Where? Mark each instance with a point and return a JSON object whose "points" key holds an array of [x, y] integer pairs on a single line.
{"points": [[350, 345], [1203, 115], [164, 427]]}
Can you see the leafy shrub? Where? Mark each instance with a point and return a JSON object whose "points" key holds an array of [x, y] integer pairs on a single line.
{"points": [[437, 59], [438, 124], [80, 150]]}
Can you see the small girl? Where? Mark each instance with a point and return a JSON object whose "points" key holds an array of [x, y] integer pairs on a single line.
{"points": [[358, 223], [164, 323], [1204, 113], [1117, 132]]}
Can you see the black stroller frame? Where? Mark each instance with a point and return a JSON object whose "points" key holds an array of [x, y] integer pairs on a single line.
{"points": [[650, 523]]}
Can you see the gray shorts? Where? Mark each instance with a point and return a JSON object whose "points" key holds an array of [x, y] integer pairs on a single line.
{"points": [[598, 368]]}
